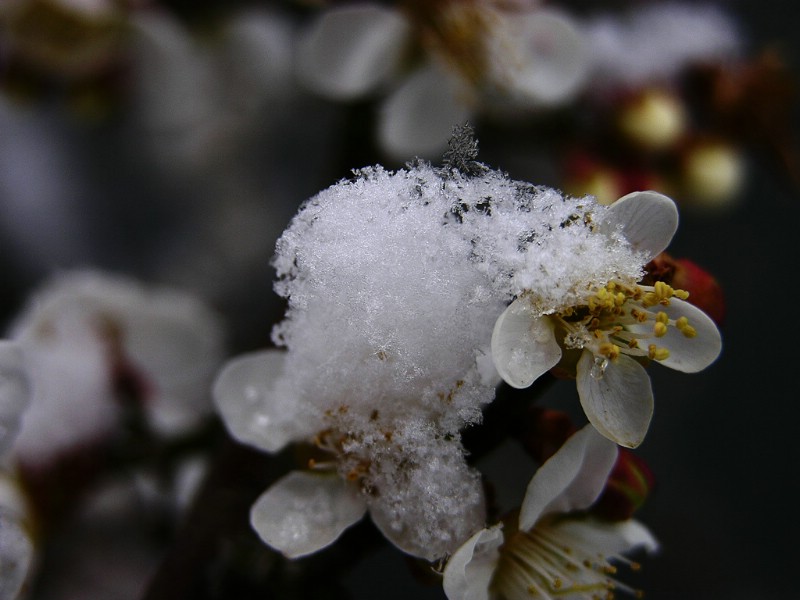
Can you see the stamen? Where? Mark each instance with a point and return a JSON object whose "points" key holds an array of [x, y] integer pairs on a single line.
{"points": [[656, 353]]}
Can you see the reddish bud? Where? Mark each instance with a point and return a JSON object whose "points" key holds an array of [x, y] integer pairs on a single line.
{"points": [[704, 290], [545, 432], [628, 486]]}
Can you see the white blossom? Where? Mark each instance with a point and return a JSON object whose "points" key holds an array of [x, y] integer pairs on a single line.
{"points": [[82, 330], [614, 326], [553, 549], [478, 55], [394, 281]]}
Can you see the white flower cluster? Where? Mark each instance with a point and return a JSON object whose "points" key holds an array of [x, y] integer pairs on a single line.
{"points": [[395, 281]]}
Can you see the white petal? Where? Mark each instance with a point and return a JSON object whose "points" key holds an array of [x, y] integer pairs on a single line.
{"points": [[252, 407], [469, 571], [306, 511], [349, 50], [620, 403], [571, 479], [15, 391], [418, 118], [611, 539], [648, 220], [688, 355], [16, 556], [523, 346], [539, 56]]}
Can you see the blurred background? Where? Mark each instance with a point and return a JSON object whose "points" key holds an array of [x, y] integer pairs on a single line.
{"points": [[172, 141]]}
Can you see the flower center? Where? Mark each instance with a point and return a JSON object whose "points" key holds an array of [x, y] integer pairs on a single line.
{"points": [[551, 561], [605, 323]]}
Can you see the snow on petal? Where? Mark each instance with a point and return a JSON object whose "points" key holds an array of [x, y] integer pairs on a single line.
{"points": [[571, 479], [648, 220], [306, 511], [350, 50], [470, 569], [252, 407], [417, 119], [619, 400], [523, 346], [688, 354], [14, 391]]}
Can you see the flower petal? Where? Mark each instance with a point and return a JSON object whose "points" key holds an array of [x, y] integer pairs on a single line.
{"points": [[306, 511], [16, 555], [688, 355], [523, 345], [611, 538], [648, 220], [349, 50], [15, 391], [418, 118], [620, 402], [571, 479], [254, 410], [469, 571], [540, 56]]}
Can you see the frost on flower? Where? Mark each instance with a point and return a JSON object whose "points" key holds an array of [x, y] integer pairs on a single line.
{"points": [[552, 547], [394, 283], [605, 334], [86, 336]]}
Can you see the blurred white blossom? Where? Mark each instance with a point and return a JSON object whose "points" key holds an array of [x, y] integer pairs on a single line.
{"points": [[476, 55], [84, 333]]}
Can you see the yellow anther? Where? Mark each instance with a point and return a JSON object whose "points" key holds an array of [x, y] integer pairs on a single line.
{"points": [[659, 329], [662, 317], [609, 350], [620, 298], [663, 290], [683, 325], [633, 343], [682, 294], [650, 299], [656, 353]]}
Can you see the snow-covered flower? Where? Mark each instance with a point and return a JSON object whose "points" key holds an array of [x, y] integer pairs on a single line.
{"points": [[552, 547], [394, 283], [611, 329], [88, 337], [472, 56]]}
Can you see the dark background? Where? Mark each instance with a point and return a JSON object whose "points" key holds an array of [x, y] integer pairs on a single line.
{"points": [[724, 444]]}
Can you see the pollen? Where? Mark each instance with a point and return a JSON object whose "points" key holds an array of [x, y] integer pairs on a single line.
{"points": [[656, 353]]}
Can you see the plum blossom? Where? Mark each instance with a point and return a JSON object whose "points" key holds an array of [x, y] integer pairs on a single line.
{"points": [[394, 282], [612, 329], [17, 551], [552, 546], [86, 336], [476, 55]]}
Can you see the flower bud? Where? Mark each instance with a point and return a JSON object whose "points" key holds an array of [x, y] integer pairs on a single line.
{"points": [[628, 486], [704, 290]]}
